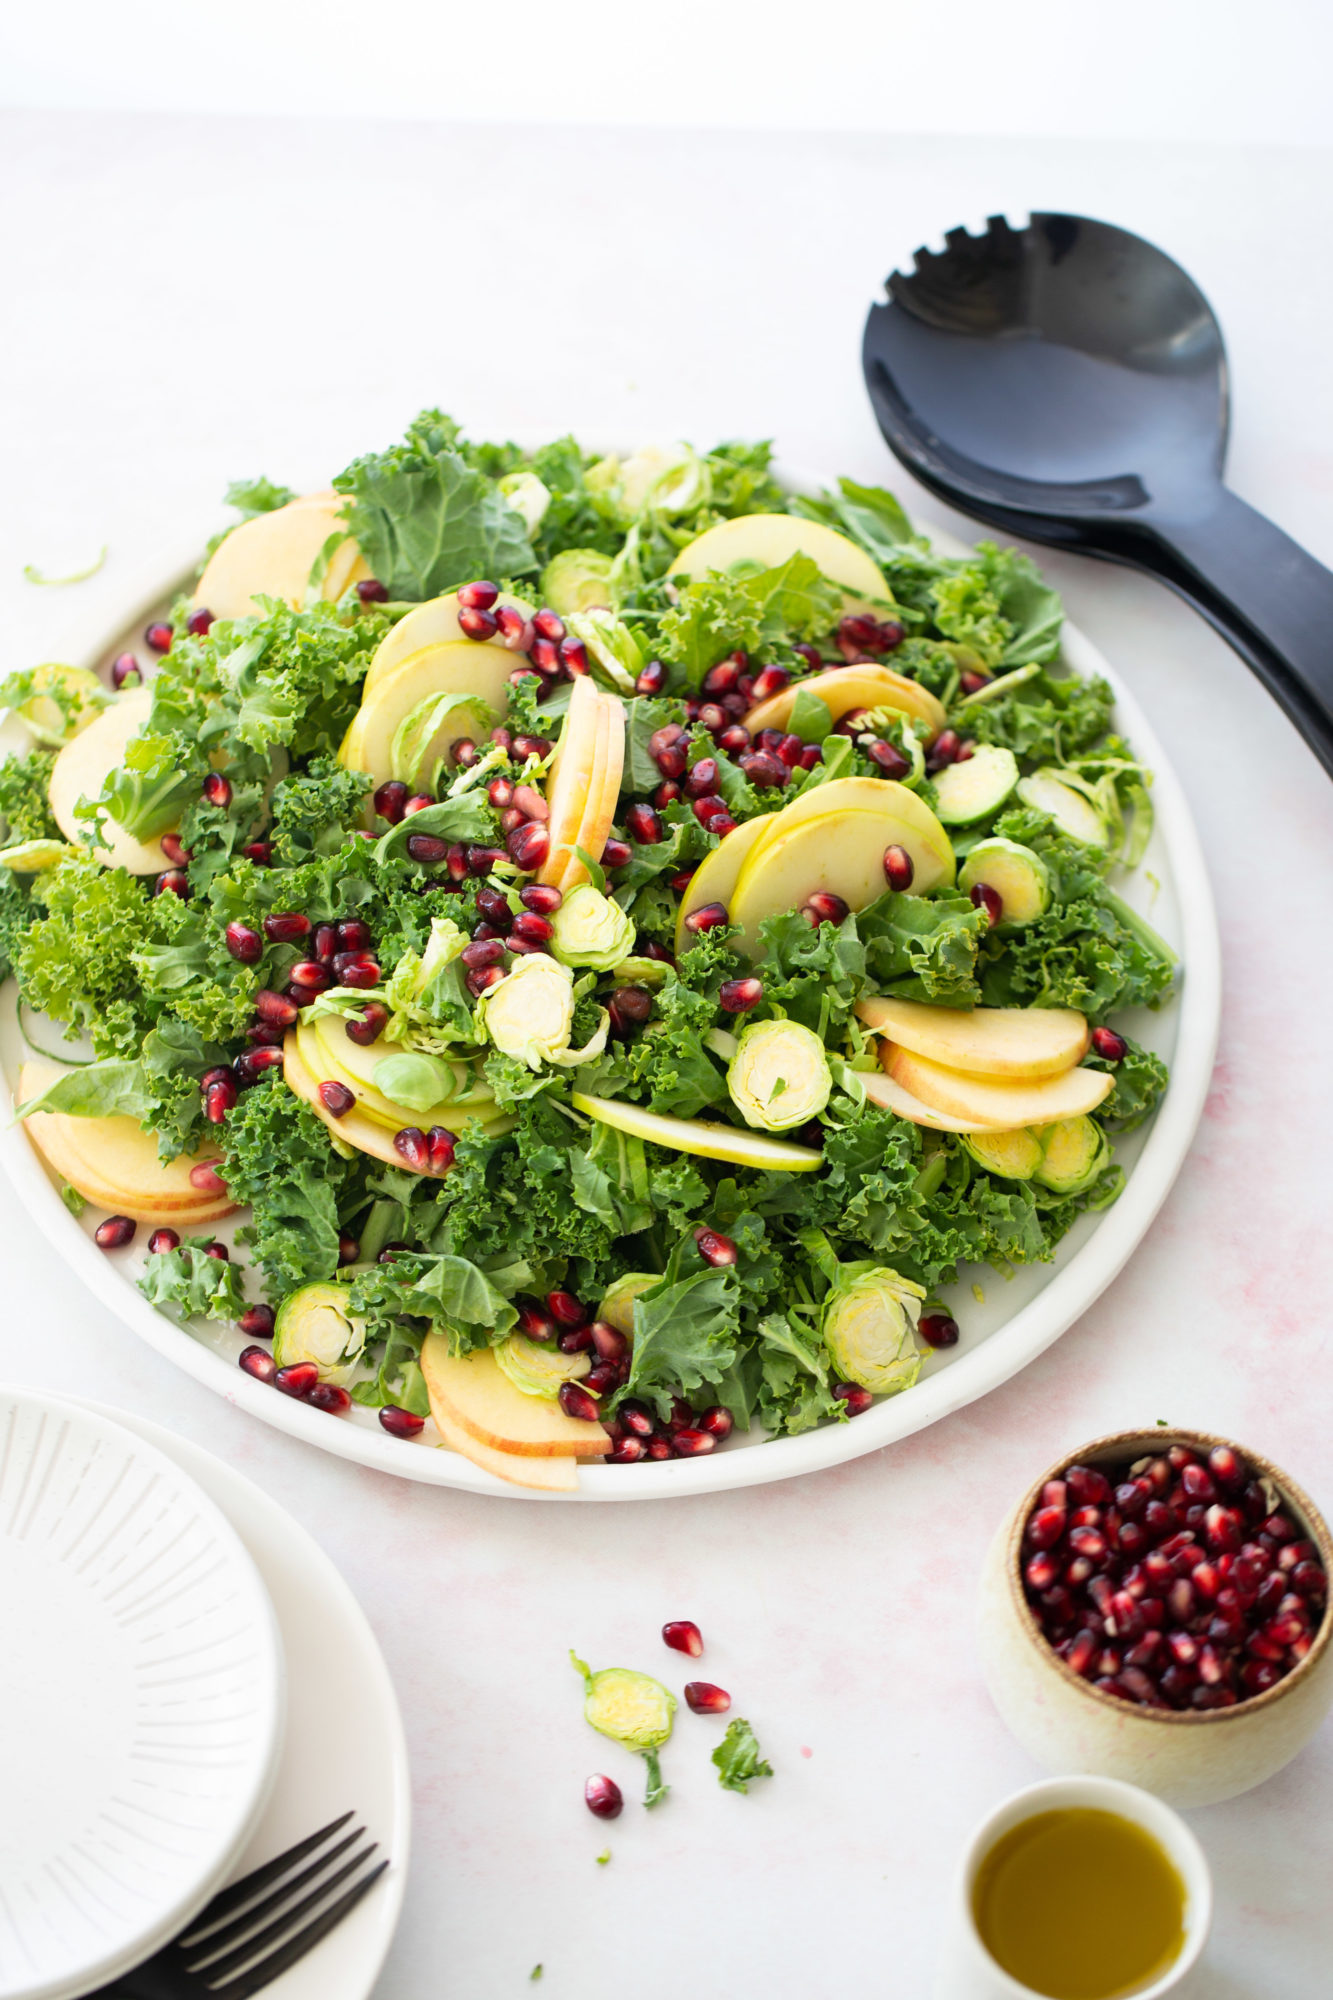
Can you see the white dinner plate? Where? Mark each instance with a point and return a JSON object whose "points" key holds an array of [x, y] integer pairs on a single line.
{"points": [[343, 1748], [142, 1707], [1018, 1318]]}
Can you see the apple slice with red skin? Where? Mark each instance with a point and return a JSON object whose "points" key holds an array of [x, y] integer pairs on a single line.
{"points": [[999, 1102], [865, 684], [604, 790], [570, 777], [113, 1161], [544, 1475], [881, 1089], [475, 1394]]}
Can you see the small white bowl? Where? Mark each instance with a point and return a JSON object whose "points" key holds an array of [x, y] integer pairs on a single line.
{"points": [[970, 1973], [1188, 1757]]}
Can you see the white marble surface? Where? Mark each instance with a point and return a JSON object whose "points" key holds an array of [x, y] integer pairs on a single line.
{"points": [[187, 301]]}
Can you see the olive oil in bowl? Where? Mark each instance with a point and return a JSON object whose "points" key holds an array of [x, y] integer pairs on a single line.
{"points": [[1079, 1904]]}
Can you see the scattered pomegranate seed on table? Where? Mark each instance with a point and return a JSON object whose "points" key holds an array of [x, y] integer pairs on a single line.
{"points": [[603, 1797], [706, 1699], [684, 1636]]}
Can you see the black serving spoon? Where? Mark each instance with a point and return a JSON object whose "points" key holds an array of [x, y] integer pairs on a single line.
{"points": [[1067, 382]]}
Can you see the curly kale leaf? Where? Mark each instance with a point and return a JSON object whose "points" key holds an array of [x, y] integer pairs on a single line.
{"points": [[426, 519], [190, 1284], [279, 1159], [25, 813], [684, 1333], [77, 963], [1140, 1080], [1091, 953], [869, 515], [257, 496], [315, 810], [1049, 719], [739, 1758], [923, 948], [721, 612]]}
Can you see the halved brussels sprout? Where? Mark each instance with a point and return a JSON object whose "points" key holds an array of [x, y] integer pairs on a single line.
{"points": [[530, 1012], [1015, 1155], [539, 1370], [315, 1325], [612, 645], [617, 1307], [591, 929], [528, 496], [869, 1328], [779, 1076], [1074, 1152], [632, 1709], [578, 580], [1019, 877], [661, 479]]}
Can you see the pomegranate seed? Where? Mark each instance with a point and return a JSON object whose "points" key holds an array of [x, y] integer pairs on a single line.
{"points": [[718, 1422], [629, 1007], [1084, 1517], [401, 1423], [575, 1401], [171, 846], [737, 996], [692, 1442], [616, 854], [536, 930], [205, 1176], [325, 943], [126, 672], [161, 1241], [603, 1797], [1223, 1527], [1046, 1527], [371, 1025], [682, 1634], [765, 769], [390, 800], [706, 1699], [217, 790], [172, 882], [219, 1099], [298, 1379], [219, 1251], [480, 981], [545, 656], [482, 951], [529, 846], [1088, 1542], [427, 848], [331, 1397], [722, 678], [715, 1249], [651, 681], [477, 624], [899, 868], [702, 779], [660, 1448], [1110, 1046], [349, 1250], [824, 908], [666, 795], [517, 631], [771, 681], [258, 851], [410, 1144], [371, 591], [566, 1310], [707, 808], [987, 899], [1087, 1486], [1309, 1580], [158, 635], [258, 1363], [812, 754], [276, 1008], [250, 1064], [115, 1232], [1041, 1570], [1082, 1652], [257, 1322], [602, 1376], [1197, 1483], [500, 792], [575, 1340], [708, 918], [244, 944], [479, 595], [358, 970], [336, 1098], [610, 1343], [789, 751], [938, 1329], [628, 1452], [637, 1419], [1226, 1466]]}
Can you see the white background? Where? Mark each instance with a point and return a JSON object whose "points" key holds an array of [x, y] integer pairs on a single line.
{"points": [[192, 298]]}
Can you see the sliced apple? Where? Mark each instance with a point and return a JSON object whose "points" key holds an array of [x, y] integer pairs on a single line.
{"points": [[359, 1063], [569, 779], [984, 1041], [541, 1475], [434, 623], [273, 555], [864, 685], [82, 768], [698, 1136], [768, 540], [880, 795], [842, 853], [603, 791], [323, 1060], [113, 1162], [881, 1089], [474, 1392], [715, 879], [460, 669], [992, 1100]]}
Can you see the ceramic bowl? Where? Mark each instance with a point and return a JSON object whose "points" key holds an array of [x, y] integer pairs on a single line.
{"points": [[968, 1972], [1190, 1757]]}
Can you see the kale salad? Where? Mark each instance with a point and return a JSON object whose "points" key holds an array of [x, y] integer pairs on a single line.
{"points": [[615, 935]]}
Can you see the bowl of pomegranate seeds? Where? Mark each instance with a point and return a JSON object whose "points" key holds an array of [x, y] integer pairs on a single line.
{"points": [[1156, 1609]]}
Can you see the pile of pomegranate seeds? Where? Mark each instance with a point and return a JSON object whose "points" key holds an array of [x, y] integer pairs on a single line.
{"points": [[1177, 1581]]}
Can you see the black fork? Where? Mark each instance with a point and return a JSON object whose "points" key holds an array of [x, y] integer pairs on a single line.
{"points": [[254, 1930]]}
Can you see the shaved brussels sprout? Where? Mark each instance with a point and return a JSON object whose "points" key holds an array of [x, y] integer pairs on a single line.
{"points": [[869, 1328], [578, 580], [632, 1709], [530, 1012], [590, 929], [313, 1324]]}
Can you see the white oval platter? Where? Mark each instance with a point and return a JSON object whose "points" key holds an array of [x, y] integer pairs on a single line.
{"points": [[143, 1698], [1020, 1318]]}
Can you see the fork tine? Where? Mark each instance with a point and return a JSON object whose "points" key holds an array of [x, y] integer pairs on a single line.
{"points": [[220, 1938], [296, 1947], [258, 1941], [249, 1885]]}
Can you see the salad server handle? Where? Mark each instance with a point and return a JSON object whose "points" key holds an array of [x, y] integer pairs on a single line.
{"points": [[1271, 598]]}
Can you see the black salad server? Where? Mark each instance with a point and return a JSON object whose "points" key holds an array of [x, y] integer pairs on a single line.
{"points": [[1067, 382]]}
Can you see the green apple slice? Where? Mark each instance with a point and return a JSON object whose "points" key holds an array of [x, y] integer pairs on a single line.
{"points": [[842, 853], [434, 623], [764, 541], [359, 1061], [1008, 1042], [461, 669], [322, 1060], [715, 879], [570, 778], [862, 685], [604, 790], [878, 795], [273, 555], [697, 1136], [82, 768]]}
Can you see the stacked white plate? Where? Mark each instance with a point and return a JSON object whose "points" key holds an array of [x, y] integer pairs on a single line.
{"points": [[141, 1698]]}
